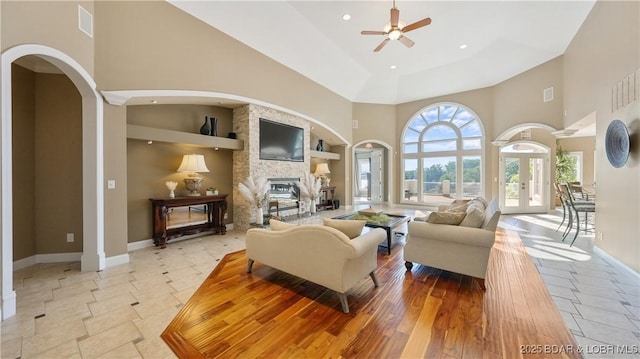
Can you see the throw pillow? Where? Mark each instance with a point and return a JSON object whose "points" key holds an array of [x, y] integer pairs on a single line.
{"points": [[482, 200], [474, 218], [453, 218], [459, 205], [351, 227], [276, 225]]}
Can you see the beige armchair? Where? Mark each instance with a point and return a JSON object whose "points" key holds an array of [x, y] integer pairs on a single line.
{"points": [[319, 254], [454, 248]]}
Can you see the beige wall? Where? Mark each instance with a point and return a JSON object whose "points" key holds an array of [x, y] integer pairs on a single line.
{"points": [[520, 99], [115, 159], [150, 166], [376, 122], [24, 202], [50, 23], [48, 160], [58, 138], [139, 40], [603, 52]]}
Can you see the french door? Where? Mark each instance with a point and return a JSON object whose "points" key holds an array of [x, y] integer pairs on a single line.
{"points": [[524, 182]]}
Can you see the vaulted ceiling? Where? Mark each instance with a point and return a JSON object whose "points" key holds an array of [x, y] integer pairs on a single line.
{"points": [[502, 38]]}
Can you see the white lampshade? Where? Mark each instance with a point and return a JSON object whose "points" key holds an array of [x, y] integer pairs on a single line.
{"points": [[193, 164], [321, 169]]}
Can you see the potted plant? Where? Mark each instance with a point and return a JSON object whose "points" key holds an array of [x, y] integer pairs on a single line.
{"points": [[565, 169], [212, 191]]}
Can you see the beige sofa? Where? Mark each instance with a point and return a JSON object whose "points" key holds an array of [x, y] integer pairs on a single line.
{"points": [[317, 253], [454, 248]]}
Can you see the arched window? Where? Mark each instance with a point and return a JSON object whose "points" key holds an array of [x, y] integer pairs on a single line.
{"points": [[442, 155]]}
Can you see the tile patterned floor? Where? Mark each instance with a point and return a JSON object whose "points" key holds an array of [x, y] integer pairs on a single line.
{"points": [[121, 311], [598, 298]]}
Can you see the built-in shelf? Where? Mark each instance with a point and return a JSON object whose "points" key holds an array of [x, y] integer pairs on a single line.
{"points": [[325, 155], [161, 135]]}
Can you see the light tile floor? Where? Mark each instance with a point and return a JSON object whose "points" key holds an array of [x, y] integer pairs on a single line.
{"points": [[598, 297], [120, 312]]}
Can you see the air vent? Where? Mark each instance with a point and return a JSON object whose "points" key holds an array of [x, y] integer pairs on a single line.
{"points": [[85, 21], [525, 134], [548, 94]]}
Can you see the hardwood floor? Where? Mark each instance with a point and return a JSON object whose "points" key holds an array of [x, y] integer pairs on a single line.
{"points": [[424, 313]]}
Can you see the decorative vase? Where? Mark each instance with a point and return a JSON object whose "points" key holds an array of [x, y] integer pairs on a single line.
{"points": [[320, 146], [259, 215], [172, 194], [214, 126], [205, 129], [312, 206]]}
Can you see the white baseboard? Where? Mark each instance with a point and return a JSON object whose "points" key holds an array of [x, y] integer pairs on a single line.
{"points": [[615, 262], [117, 260], [46, 258], [109, 261]]}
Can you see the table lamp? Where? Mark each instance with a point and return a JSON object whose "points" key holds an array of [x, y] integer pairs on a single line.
{"points": [[321, 171], [192, 165]]}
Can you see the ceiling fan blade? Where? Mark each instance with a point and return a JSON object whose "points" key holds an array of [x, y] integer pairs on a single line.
{"points": [[417, 25], [395, 17], [384, 42], [366, 32], [406, 41]]}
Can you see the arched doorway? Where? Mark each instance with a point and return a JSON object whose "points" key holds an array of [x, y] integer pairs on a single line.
{"points": [[371, 172], [93, 257], [524, 177]]}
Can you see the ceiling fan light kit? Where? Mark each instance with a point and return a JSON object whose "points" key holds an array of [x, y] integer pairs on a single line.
{"points": [[395, 29]]}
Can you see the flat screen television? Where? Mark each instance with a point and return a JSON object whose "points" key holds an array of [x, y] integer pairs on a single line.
{"points": [[281, 142]]}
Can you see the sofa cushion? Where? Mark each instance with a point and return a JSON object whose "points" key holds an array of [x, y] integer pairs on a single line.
{"points": [[474, 218], [459, 205], [351, 227], [276, 225], [482, 200], [453, 218]]}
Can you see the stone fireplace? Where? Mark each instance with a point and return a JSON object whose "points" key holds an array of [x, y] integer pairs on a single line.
{"points": [[248, 163]]}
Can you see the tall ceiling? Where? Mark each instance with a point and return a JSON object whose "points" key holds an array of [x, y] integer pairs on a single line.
{"points": [[502, 38]]}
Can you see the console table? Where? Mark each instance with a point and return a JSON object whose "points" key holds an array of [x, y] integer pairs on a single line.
{"points": [[327, 195], [216, 207]]}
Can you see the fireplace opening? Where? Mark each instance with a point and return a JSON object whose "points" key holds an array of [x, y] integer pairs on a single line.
{"points": [[284, 196]]}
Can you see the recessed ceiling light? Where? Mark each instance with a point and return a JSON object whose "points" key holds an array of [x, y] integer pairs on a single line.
{"points": [[463, 46], [393, 67], [346, 17]]}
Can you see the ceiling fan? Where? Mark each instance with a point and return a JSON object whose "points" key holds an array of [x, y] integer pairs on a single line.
{"points": [[395, 30]]}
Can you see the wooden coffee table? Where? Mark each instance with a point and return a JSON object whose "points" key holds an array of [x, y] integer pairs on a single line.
{"points": [[394, 221]]}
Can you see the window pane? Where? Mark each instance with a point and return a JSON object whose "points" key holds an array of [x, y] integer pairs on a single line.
{"points": [[411, 148], [439, 146], [431, 114], [462, 116], [411, 136], [471, 130], [418, 124], [472, 144], [447, 111], [439, 177], [440, 132], [410, 184], [471, 176]]}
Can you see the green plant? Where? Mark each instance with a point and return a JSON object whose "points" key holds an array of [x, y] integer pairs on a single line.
{"points": [[565, 166]]}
